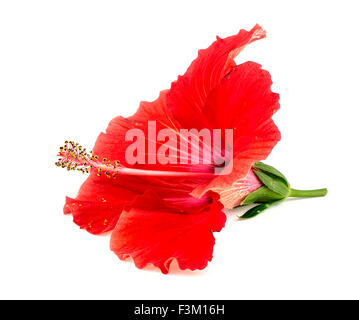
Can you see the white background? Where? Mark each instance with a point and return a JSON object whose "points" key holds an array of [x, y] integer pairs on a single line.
{"points": [[68, 67]]}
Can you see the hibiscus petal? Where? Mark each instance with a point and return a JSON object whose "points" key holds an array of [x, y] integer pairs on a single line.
{"points": [[150, 233], [98, 204], [243, 101], [178, 107], [188, 94], [112, 144], [232, 196]]}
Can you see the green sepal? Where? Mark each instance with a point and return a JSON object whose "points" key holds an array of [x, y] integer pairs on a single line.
{"points": [[276, 188], [257, 210], [262, 194], [273, 182], [269, 169]]}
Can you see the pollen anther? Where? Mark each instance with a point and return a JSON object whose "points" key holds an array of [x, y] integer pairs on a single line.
{"points": [[72, 156]]}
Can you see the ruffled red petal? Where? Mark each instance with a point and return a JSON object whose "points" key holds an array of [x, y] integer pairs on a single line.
{"points": [[94, 217], [98, 204], [112, 144], [243, 101], [188, 94], [150, 233]]}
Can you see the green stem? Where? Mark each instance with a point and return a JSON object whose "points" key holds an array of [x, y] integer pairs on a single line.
{"points": [[308, 193]]}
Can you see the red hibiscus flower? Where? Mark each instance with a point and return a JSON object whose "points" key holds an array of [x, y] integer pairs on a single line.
{"points": [[159, 212]]}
